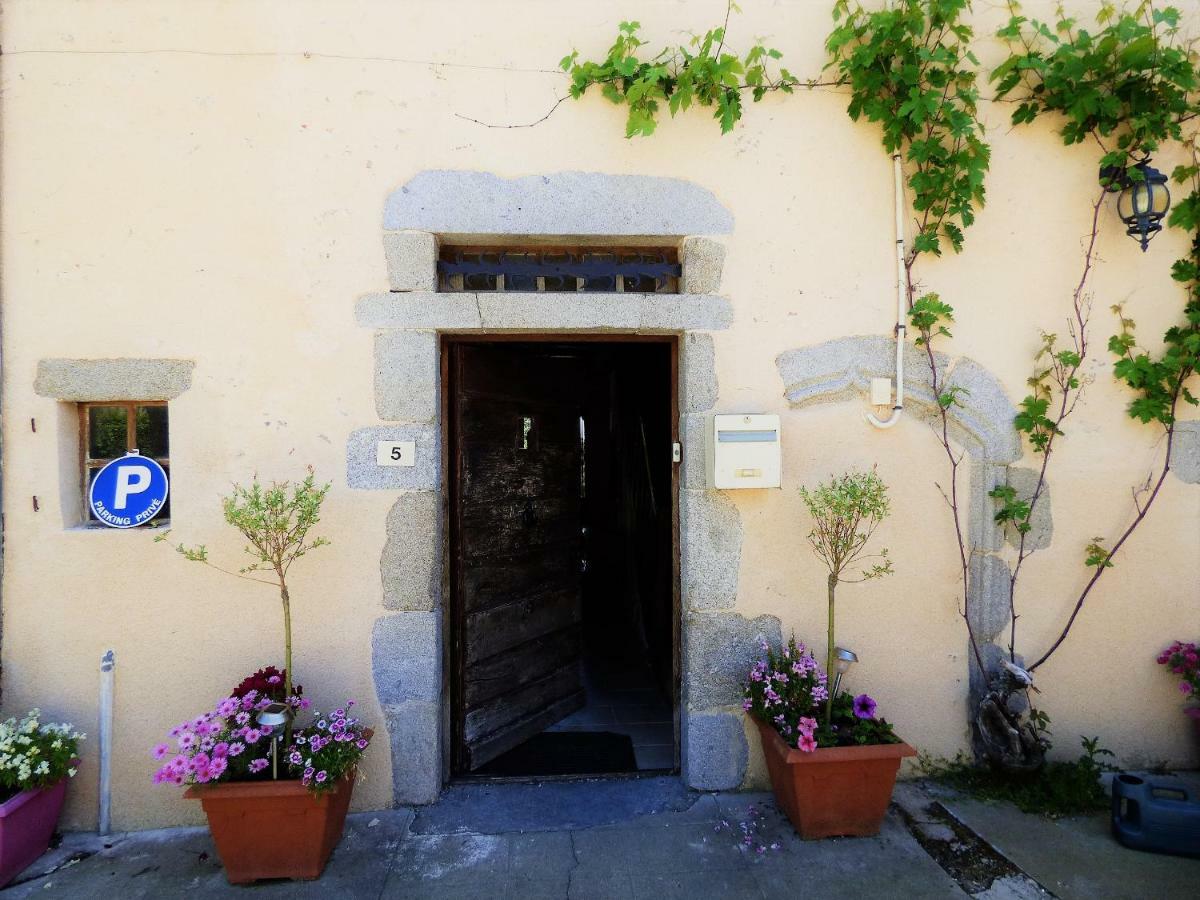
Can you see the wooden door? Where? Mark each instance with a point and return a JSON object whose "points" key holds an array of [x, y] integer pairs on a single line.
{"points": [[516, 545]]}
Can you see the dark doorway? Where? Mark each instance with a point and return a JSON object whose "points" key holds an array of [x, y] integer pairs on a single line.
{"points": [[563, 638]]}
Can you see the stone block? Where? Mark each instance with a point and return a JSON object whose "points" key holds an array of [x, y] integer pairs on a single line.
{"points": [[983, 532], [717, 751], [684, 312], [553, 312], [406, 654], [985, 413], [411, 260], [989, 610], [362, 470], [469, 202], [712, 550], [1041, 523], [719, 649], [699, 365], [1185, 457], [993, 655], [411, 562], [703, 259], [414, 736], [406, 375], [84, 380], [418, 309], [694, 475]]}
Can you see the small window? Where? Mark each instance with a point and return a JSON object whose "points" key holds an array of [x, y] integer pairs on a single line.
{"points": [[640, 270], [110, 430]]}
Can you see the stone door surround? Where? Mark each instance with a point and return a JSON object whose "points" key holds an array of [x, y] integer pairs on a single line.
{"points": [[407, 643]]}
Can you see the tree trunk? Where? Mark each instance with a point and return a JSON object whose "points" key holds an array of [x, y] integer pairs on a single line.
{"points": [[287, 655], [833, 580]]}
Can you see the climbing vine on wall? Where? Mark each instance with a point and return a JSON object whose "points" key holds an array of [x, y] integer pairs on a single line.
{"points": [[703, 72], [1126, 82], [910, 69]]}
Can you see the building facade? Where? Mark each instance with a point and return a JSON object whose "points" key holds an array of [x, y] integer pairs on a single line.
{"points": [[247, 238]]}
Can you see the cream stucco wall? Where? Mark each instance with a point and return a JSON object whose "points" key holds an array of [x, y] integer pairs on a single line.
{"points": [[205, 180]]}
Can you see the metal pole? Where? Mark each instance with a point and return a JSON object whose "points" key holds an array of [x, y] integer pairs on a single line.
{"points": [[107, 663]]}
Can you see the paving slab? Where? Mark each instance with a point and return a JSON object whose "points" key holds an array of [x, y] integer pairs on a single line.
{"points": [[1077, 858]]}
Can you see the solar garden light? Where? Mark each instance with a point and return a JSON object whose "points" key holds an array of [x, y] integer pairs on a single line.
{"points": [[276, 715], [843, 659], [1143, 202]]}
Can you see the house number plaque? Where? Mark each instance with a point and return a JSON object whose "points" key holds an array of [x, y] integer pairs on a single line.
{"points": [[396, 453]]}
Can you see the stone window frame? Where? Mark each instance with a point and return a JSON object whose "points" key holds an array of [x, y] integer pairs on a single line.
{"points": [[87, 464], [408, 321], [72, 381]]}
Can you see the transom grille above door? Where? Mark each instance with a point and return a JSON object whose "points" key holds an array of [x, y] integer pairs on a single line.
{"points": [[642, 270]]}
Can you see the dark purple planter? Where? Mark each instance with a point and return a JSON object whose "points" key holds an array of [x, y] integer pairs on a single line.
{"points": [[27, 822]]}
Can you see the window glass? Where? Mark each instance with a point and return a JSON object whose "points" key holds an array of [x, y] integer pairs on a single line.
{"points": [[107, 432], [152, 431]]}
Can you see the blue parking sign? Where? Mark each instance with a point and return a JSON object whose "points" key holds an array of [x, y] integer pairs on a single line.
{"points": [[128, 492]]}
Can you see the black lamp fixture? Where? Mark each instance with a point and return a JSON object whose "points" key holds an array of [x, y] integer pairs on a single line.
{"points": [[1143, 202]]}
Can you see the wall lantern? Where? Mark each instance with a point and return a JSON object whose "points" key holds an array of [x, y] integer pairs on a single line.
{"points": [[1143, 204], [843, 659]]}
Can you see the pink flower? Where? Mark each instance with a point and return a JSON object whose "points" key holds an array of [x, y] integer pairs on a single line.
{"points": [[161, 750], [252, 735], [186, 740], [242, 718], [228, 707], [220, 749], [236, 748], [217, 767], [1184, 687], [807, 743], [274, 679]]}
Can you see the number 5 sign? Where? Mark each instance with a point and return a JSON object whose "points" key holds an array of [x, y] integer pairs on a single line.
{"points": [[396, 453]]}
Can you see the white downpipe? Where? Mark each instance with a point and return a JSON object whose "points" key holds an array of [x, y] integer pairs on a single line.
{"points": [[107, 663], [901, 301]]}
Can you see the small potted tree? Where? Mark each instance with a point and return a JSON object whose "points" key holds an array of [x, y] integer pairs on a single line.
{"points": [[275, 796], [832, 761], [36, 761]]}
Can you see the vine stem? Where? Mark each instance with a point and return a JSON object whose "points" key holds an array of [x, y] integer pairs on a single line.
{"points": [[1137, 520], [944, 438], [1066, 406]]}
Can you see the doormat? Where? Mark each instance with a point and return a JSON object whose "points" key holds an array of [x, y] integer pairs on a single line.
{"points": [[566, 753]]}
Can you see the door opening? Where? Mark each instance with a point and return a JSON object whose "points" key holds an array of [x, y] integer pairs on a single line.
{"points": [[563, 636]]}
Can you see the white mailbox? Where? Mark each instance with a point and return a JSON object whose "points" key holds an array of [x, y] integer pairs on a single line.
{"points": [[743, 452]]}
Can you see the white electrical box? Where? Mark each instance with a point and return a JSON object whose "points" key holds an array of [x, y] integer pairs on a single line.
{"points": [[744, 452]]}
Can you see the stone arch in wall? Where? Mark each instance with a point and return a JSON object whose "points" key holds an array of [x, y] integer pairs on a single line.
{"points": [[408, 319], [842, 369]]}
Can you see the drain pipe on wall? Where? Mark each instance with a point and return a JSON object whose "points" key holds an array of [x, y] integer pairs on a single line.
{"points": [[880, 390], [107, 663]]}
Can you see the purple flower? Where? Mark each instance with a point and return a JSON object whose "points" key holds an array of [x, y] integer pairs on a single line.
{"points": [[220, 749], [217, 767], [361, 744], [237, 748], [227, 707], [864, 707], [321, 776], [242, 718], [161, 750], [296, 758], [257, 765]]}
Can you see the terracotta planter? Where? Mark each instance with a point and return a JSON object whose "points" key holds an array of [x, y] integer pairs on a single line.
{"points": [[835, 790], [27, 823], [273, 829]]}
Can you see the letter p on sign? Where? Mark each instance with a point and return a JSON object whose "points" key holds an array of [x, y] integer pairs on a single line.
{"points": [[130, 480]]}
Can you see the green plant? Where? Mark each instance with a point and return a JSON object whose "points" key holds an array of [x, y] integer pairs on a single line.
{"points": [[703, 73], [910, 69], [1058, 789], [1124, 84], [846, 510], [34, 754], [275, 520]]}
